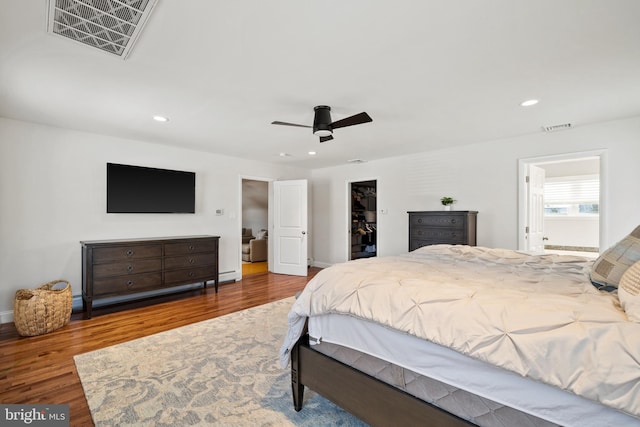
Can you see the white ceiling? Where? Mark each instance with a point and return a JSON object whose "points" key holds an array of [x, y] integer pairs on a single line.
{"points": [[431, 73]]}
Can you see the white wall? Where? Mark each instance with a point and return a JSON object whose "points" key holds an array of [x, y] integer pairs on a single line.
{"points": [[53, 195], [481, 177]]}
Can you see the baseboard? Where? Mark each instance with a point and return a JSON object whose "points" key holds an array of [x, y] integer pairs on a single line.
{"points": [[231, 276], [6, 316], [227, 276], [321, 264]]}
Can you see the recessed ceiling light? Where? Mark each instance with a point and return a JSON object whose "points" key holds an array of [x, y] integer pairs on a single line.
{"points": [[285, 155], [312, 153], [529, 102], [160, 119]]}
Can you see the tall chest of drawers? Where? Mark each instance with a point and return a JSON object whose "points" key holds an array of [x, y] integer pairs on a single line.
{"points": [[442, 227], [112, 268]]}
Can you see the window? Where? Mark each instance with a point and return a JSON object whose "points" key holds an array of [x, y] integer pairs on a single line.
{"points": [[556, 210], [572, 196]]}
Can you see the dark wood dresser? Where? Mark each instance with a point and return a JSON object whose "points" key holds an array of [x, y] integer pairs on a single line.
{"points": [[112, 268], [442, 227]]}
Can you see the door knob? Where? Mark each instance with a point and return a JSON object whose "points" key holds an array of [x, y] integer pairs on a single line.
{"points": [[304, 232]]}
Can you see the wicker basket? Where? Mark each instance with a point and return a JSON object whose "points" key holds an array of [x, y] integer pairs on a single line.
{"points": [[42, 310]]}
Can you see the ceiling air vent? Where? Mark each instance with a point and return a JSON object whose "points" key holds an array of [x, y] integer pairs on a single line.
{"points": [[109, 25], [356, 161], [555, 128]]}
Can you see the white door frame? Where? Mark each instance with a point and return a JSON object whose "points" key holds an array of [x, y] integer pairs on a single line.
{"points": [[523, 165], [348, 214]]}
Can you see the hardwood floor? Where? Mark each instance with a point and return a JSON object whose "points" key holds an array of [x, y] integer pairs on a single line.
{"points": [[254, 267], [41, 369]]}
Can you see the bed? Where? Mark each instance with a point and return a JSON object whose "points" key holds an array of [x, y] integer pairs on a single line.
{"points": [[457, 335]]}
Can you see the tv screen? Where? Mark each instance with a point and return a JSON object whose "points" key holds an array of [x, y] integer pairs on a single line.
{"points": [[137, 189]]}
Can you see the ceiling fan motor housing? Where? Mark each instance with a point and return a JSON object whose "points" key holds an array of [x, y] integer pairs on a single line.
{"points": [[322, 121]]}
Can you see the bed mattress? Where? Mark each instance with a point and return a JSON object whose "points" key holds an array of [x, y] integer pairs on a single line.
{"points": [[455, 382]]}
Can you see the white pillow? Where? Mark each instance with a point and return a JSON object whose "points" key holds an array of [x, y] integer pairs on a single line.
{"points": [[629, 292], [261, 235]]}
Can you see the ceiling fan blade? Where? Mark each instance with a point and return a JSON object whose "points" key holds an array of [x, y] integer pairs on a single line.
{"points": [[289, 124], [353, 120], [326, 138]]}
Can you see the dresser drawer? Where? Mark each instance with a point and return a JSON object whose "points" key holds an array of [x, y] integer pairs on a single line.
{"points": [[196, 274], [121, 253], [134, 266], [126, 284], [201, 245], [438, 235], [449, 221], [187, 261]]}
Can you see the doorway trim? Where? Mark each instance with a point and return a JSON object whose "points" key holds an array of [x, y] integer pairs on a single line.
{"points": [[523, 165]]}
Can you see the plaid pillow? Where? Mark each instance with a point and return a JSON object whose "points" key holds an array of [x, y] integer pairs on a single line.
{"points": [[629, 292], [612, 264]]}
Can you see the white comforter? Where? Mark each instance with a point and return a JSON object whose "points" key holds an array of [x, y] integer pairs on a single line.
{"points": [[538, 316]]}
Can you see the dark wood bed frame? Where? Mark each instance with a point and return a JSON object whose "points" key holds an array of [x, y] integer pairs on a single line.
{"points": [[368, 398]]}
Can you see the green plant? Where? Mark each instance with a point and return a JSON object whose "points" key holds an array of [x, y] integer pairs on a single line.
{"points": [[447, 201]]}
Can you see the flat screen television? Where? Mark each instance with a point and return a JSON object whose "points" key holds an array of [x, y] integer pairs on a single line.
{"points": [[138, 189]]}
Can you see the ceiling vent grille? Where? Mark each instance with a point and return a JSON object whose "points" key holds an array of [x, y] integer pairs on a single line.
{"points": [[112, 26], [555, 128]]}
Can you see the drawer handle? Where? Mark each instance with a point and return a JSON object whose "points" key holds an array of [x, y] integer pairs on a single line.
{"points": [[453, 220], [129, 267], [191, 260], [129, 284], [419, 233], [129, 252], [191, 247], [419, 220], [191, 274]]}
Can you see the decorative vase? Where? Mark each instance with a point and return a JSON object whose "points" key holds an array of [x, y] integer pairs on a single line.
{"points": [[447, 207]]}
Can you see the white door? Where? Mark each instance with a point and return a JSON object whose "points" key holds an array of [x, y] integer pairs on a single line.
{"points": [[535, 210], [290, 227]]}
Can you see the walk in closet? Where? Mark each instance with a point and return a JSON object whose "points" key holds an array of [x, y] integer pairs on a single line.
{"points": [[363, 219]]}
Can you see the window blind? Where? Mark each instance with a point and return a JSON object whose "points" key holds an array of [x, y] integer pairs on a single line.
{"points": [[575, 190]]}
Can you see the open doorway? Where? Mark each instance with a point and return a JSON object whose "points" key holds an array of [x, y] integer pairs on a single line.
{"points": [[255, 221], [562, 204], [364, 226]]}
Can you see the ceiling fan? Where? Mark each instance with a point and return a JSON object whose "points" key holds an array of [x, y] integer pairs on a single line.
{"points": [[323, 126]]}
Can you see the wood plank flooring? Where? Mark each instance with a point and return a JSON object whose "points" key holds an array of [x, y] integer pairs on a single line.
{"points": [[254, 267], [41, 369]]}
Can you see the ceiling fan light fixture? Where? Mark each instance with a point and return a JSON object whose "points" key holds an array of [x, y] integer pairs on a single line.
{"points": [[323, 126], [322, 121], [322, 132]]}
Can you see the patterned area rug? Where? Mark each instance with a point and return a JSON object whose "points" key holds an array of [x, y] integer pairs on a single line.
{"points": [[220, 372]]}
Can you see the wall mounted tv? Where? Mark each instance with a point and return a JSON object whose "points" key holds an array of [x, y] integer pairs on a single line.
{"points": [[138, 189]]}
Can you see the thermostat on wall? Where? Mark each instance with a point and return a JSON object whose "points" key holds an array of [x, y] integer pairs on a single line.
{"points": [[219, 211]]}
